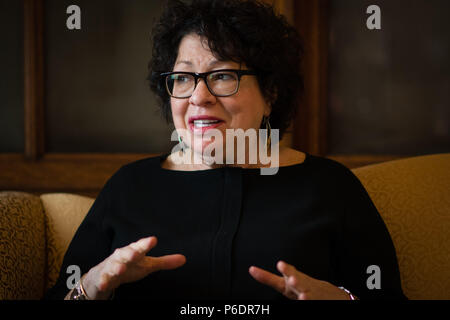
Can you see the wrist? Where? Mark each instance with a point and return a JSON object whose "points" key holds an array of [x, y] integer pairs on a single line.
{"points": [[350, 295], [88, 283]]}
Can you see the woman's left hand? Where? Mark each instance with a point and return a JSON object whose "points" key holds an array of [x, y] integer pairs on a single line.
{"points": [[297, 285]]}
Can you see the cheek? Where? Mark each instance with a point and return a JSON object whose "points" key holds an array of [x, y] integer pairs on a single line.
{"points": [[179, 108], [247, 113]]}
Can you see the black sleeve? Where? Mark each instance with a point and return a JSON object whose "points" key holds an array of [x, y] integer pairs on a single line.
{"points": [[91, 243], [365, 242]]}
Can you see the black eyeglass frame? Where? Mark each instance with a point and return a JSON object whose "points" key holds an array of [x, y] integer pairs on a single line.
{"points": [[204, 76]]}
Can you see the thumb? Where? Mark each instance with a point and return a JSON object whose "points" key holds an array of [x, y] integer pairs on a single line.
{"points": [[167, 262]]}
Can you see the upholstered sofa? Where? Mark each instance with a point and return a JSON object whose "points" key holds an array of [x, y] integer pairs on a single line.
{"points": [[412, 195]]}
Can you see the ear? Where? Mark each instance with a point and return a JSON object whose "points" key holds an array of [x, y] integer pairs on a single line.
{"points": [[270, 100], [267, 109]]}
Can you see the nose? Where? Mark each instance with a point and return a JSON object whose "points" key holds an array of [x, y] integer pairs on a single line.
{"points": [[201, 95]]}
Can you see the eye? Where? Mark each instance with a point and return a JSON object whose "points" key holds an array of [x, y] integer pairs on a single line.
{"points": [[223, 76], [180, 78]]}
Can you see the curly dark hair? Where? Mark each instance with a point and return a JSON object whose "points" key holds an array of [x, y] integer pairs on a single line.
{"points": [[243, 31]]}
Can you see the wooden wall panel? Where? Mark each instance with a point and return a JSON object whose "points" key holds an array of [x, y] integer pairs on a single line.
{"points": [[78, 173], [34, 79], [311, 20], [38, 172]]}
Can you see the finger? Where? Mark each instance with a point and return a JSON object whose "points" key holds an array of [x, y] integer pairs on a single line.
{"points": [[144, 245], [126, 255], [104, 283], [286, 269], [116, 268], [268, 278], [293, 277], [134, 251], [292, 284], [167, 262], [109, 278], [289, 270]]}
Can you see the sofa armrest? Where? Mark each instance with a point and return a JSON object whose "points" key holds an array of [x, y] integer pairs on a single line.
{"points": [[413, 198], [22, 246], [64, 213]]}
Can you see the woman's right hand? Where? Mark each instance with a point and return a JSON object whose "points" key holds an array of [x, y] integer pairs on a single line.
{"points": [[127, 264]]}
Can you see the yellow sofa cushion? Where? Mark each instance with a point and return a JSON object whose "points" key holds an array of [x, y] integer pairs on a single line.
{"points": [[64, 214], [413, 197], [22, 246]]}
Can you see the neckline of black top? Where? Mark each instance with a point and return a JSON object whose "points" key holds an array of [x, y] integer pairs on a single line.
{"points": [[162, 157]]}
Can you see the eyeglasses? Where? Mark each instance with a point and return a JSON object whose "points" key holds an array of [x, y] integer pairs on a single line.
{"points": [[221, 83]]}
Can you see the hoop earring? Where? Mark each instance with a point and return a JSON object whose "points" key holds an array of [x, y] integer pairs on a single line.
{"points": [[268, 132], [181, 143]]}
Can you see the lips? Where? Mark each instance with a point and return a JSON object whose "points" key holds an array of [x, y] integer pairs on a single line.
{"points": [[201, 124]]}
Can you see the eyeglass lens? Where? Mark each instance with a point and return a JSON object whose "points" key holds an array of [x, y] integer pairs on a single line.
{"points": [[222, 83]]}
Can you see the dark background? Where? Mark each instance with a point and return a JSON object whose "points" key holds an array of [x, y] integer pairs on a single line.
{"points": [[82, 106]]}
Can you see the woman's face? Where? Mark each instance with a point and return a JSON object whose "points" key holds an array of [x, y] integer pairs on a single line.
{"points": [[243, 110]]}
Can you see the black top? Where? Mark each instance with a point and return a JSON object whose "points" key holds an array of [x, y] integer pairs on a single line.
{"points": [[315, 215]]}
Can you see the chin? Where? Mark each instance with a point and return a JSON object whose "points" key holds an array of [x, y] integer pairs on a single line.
{"points": [[208, 147]]}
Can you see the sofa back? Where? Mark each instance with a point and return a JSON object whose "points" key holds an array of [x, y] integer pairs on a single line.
{"points": [[35, 232], [413, 197]]}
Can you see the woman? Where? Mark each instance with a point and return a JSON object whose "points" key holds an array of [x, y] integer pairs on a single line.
{"points": [[310, 231]]}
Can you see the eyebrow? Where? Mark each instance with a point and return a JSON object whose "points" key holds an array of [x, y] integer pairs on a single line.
{"points": [[216, 62], [185, 62], [211, 64]]}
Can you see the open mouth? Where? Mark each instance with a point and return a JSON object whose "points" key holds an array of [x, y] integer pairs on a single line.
{"points": [[204, 123]]}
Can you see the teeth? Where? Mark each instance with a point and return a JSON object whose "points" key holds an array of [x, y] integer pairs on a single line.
{"points": [[204, 123]]}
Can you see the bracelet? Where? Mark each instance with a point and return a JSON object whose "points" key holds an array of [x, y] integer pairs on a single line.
{"points": [[352, 297], [82, 290], [78, 292]]}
